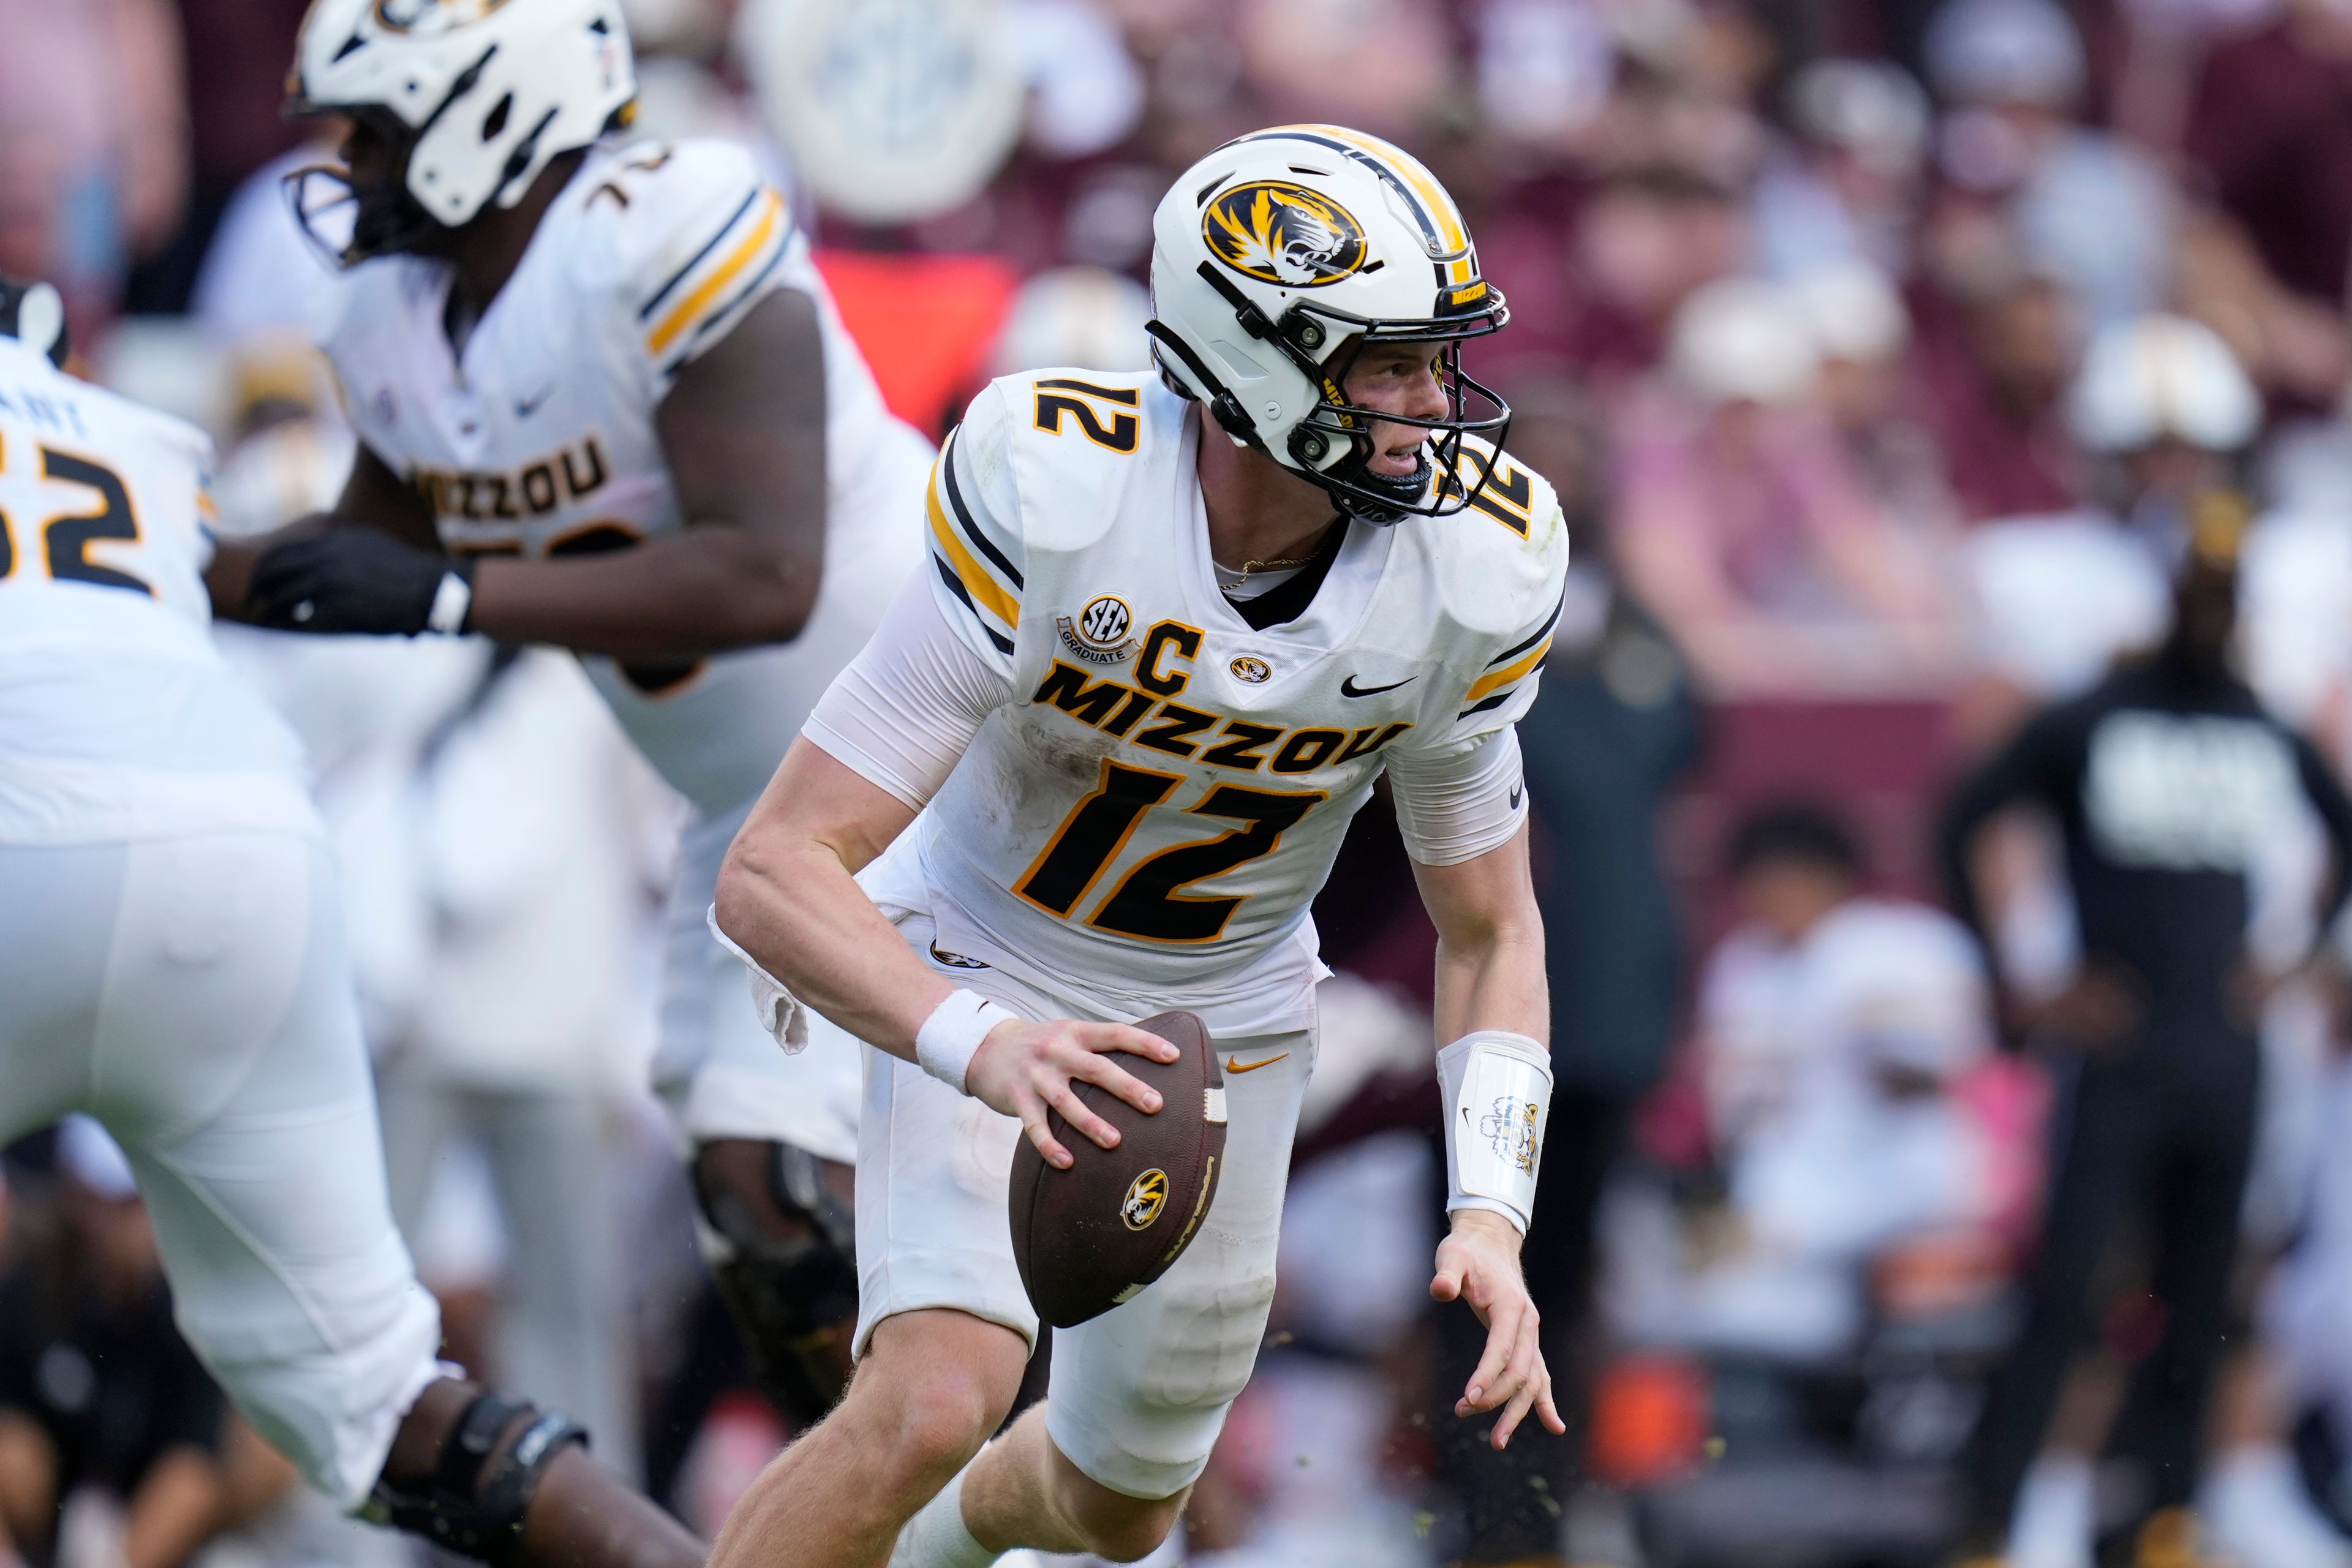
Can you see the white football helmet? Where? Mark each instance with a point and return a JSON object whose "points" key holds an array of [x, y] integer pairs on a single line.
{"points": [[1274, 260], [35, 315], [479, 94]]}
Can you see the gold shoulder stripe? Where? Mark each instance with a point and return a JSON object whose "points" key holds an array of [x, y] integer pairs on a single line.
{"points": [[769, 222], [1495, 680], [983, 588]]}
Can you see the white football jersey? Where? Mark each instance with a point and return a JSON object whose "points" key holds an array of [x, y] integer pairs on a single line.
{"points": [[1158, 804], [540, 438], [119, 719]]}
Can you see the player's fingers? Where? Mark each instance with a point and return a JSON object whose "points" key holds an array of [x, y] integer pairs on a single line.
{"points": [[1031, 1112], [1513, 1414], [1447, 1284], [1121, 1037], [1101, 1070], [1515, 1376], [1548, 1409], [1062, 1098], [1502, 1337], [277, 582]]}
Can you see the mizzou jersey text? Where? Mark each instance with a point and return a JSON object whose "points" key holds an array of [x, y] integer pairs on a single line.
{"points": [[540, 437], [1165, 794]]}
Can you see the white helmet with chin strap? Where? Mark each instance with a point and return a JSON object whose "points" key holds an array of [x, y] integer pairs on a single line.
{"points": [[1279, 257], [480, 94]]}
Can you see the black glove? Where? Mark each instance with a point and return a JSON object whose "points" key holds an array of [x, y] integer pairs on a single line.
{"points": [[350, 580]]}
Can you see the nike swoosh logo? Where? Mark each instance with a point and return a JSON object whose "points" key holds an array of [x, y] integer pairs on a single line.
{"points": [[525, 407], [1232, 1065], [1515, 797], [1347, 687]]}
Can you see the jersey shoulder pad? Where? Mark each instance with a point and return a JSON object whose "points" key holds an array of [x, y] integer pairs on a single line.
{"points": [[152, 435], [1078, 437], [1501, 562], [975, 527], [1498, 569], [686, 232]]}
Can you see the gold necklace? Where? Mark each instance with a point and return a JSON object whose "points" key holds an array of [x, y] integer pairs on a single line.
{"points": [[1247, 567]]}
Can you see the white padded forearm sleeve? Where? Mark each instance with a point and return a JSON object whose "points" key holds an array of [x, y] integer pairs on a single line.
{"points": [[1496, 1089]]}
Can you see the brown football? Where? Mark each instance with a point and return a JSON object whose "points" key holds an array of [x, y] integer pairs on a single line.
{"points": [[1089, 1238]]}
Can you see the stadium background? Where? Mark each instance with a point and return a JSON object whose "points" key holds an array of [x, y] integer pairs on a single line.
{"points": [[1807, 299]]}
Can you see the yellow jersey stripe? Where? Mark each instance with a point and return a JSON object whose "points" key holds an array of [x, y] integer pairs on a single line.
{"points": [[983, 588], [1508, 673], [770, 220]]}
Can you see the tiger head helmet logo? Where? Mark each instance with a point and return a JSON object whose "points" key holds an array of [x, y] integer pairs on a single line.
{"points": [[1281, 233]]}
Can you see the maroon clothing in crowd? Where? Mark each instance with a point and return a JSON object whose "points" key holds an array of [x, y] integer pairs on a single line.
{"points": [[2005, 447], [2271, 133], [238, 54]]}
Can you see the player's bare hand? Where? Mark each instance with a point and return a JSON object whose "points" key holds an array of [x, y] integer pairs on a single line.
{"points": [[1025, 1069], [1479, 1263]]}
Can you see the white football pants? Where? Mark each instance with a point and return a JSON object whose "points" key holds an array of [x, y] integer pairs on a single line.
{"points": [[192, 994]]}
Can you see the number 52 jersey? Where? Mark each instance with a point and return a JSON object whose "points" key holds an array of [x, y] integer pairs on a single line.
{"points": [[119, 719], [1155, 809]]}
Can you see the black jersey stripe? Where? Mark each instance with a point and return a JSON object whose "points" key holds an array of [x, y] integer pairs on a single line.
{"points": [[963, 517], [955, 584], [1539, 635], [679, 276], [1497, 701]]}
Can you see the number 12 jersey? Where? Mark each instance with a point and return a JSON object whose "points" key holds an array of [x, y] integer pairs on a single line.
{"points": [[1155, 808]]}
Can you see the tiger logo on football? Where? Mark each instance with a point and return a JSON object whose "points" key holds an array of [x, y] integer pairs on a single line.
{"points": [[1281, 233], [1145, 1196]]}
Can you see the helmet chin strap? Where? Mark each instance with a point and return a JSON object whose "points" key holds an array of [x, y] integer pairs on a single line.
{"points": [[1408, 489]]}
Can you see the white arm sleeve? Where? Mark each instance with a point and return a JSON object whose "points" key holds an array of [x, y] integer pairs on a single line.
{"points": [[904, 710], [1456, 805]]}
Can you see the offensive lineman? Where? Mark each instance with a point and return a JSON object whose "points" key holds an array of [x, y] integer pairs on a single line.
{"points": [[603, 402], [1128, 713], [172, 962]]}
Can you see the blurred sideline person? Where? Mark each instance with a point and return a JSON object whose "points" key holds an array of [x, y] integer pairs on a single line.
{"points": [[1187, 650], [1838, 1037], [2163, 410], [107, 1423], [2163, 781], [603, 402], [172, 952]]}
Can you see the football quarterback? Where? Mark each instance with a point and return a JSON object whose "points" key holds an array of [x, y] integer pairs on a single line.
{"points": [[603, 402], [1096, 765], [173, 960]]}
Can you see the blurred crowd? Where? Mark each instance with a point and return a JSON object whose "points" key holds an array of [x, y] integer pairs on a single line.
{"points": [[1901, 365]]}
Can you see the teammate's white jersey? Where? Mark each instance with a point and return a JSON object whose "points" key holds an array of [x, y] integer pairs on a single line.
{"points": [[118, 717], [540, 437], [1160, 801]]}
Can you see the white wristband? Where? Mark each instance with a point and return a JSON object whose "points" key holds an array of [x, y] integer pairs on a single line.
{"points": [[949, 1038], [1497, 1097], [451, 600]]}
